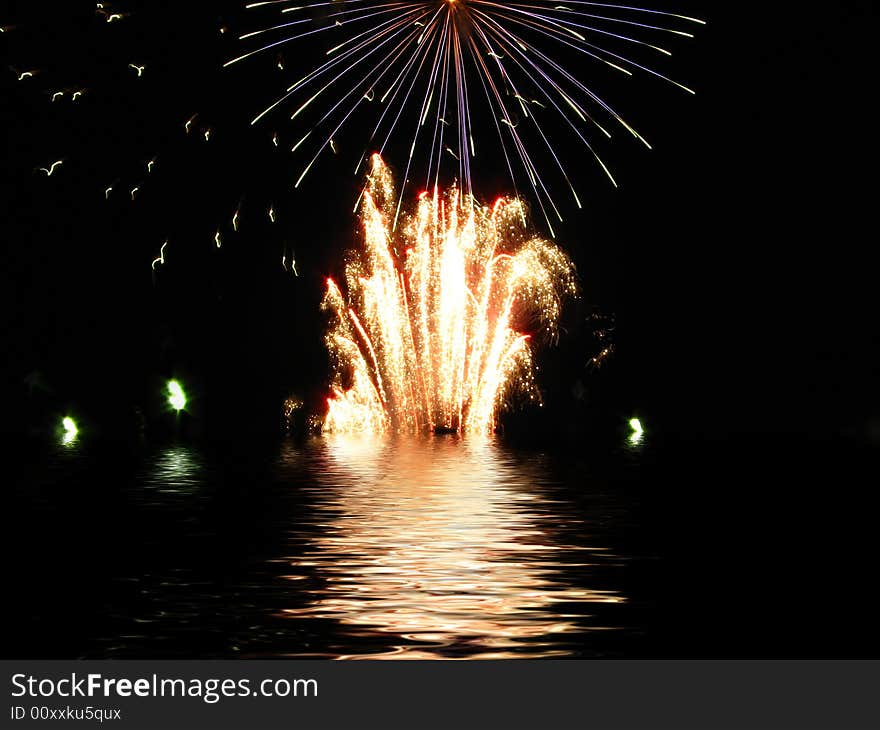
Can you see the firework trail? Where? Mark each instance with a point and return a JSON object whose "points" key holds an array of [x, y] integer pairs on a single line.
{"points": [[453, 59], [426, 335], [122, 131]]}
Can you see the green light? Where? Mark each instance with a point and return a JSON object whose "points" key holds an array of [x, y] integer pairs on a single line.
{"points": [[70, 429], [635, 438], [176, 396]]}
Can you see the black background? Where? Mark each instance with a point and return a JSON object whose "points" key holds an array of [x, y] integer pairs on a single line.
{"points": [[735, 255]]}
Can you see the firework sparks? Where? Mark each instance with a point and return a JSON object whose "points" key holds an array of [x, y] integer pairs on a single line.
{"points": [[51, 169], [603, 326], [427, 334], [445, 57], [92, 134], [161, 258]]}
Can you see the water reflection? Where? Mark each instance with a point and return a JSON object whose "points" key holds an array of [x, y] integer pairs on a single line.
{"points": [[635, 440], [338, 547], [175, 470], [445, 547]]}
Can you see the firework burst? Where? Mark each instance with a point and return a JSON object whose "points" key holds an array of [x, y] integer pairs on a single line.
{"points": [[427, 334], [447, 59]]}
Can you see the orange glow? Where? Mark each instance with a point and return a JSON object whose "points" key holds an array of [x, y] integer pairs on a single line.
{"points": [[443, 547], [425, 335]]}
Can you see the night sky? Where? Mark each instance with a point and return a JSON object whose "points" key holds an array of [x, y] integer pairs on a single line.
{"points": [[735, 255]]}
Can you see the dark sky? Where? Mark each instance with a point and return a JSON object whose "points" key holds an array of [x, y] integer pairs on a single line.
{"points": [[735, 254]]}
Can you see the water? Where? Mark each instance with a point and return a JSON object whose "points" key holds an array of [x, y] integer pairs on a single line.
{"points": [[740, 546], [333, 547]]}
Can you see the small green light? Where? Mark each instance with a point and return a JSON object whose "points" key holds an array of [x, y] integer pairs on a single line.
{"points": [[176, 396], [636, 425], [70, 429]]}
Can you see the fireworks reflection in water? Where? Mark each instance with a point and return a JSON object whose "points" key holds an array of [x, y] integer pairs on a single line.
{"points": [[443, 548]]}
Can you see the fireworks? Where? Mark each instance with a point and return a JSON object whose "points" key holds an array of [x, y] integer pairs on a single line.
{"points": [[454, 59], [427, 334], [51, 169], [603, 327], [91, 143], [161, 258]]}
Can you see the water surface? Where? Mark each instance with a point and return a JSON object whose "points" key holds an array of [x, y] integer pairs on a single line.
{"points": [[335, 547]]}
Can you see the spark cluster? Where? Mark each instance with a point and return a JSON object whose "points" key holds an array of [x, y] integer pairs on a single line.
{"points": [[428, 331], [603, 328]]}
